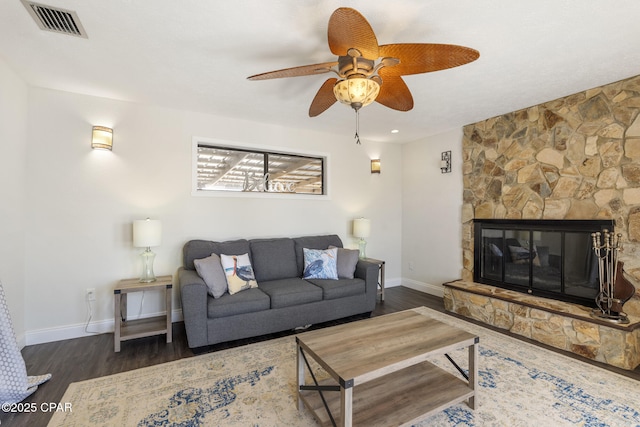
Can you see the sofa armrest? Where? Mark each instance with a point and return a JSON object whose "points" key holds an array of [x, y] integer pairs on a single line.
{"points": [[194, 295], [368, 271]]}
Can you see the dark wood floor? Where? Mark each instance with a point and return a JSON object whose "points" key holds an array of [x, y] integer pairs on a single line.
{"points": [[92, 357]]}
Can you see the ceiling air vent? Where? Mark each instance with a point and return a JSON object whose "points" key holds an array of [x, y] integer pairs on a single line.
{"points": [[55, 19]]}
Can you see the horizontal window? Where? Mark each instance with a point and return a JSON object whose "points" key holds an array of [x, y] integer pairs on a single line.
{"points": [[239, 169]]}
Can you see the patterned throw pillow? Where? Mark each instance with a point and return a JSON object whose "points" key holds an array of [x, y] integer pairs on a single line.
{"points": [[239, 273], [520, 255], [320, 264]]}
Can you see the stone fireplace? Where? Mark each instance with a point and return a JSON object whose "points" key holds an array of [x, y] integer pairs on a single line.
{"points": [[574, 158]]}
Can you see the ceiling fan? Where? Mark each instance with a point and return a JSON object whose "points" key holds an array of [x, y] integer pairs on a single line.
{"points": [[370, 72]]}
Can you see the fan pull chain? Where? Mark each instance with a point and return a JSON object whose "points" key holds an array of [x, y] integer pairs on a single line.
{"points": [[357, 137]]}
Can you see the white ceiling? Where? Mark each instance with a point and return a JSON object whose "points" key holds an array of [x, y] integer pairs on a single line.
{"points": [[196, 54]]}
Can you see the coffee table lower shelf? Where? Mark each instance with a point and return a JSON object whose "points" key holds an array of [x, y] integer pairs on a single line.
{"points": [[403, 397]]}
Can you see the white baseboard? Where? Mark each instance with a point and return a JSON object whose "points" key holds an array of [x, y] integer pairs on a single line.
{"points": [[424, 287], [392, 283], [41, 336]]}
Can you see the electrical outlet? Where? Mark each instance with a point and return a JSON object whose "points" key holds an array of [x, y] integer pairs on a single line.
{"points": [[91, 294], [410, 265]]}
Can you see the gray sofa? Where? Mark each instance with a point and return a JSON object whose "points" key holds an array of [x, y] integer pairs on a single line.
{"points": [[282, 300]]}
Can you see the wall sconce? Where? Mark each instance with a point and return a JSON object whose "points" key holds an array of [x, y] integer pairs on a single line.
{"points": [[445, 162], [375, 166], [102, 138]]}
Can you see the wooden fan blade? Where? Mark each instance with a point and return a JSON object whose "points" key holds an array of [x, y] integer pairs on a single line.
{"points": [[416, 58], [394, 93], [349, 29], [305, 70], [323, 99]]}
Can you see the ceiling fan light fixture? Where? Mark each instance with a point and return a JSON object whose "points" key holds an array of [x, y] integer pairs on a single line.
{"points": [[361, 58], [356, 92]]}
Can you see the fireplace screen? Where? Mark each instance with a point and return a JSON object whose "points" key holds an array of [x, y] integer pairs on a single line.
{"points": [[548, 258]]}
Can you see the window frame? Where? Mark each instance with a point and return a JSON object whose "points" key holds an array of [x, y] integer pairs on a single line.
{"points": [[262, 149]]}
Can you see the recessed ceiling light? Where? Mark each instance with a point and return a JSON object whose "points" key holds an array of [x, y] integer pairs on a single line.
{"points": [[395, 131]]}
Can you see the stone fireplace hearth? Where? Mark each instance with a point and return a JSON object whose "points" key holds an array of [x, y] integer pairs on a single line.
{"points": [[576, 157], [562, 325]]}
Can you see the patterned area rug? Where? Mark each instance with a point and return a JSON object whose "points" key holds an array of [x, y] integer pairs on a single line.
{"points": [[520, 385]]}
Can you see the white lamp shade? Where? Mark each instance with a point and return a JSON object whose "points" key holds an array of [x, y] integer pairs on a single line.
{"points": [[147, 233], [361, 227]]}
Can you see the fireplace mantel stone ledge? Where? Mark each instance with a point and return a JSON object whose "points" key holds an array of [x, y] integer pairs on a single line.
{"points": [[559, 324]]}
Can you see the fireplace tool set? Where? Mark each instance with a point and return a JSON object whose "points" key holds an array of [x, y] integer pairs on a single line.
{"points": [[615, 289]]}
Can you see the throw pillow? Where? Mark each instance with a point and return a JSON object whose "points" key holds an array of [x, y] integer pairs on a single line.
{"points": [[347, 260], [520, 255], [210, 269], [536, 257], [320, 264], [239, 273], [543, 255], [495, 250]]}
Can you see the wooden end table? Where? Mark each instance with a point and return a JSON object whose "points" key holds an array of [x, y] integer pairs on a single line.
{"points": [[131, 329], [379, 373]]}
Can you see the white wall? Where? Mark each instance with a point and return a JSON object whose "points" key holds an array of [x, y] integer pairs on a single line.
{"points": [[431, 213], [80, 203], [13, 143]]}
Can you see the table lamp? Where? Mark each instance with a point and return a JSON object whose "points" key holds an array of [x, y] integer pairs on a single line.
{"points": [[147, 233], [362, 229]]}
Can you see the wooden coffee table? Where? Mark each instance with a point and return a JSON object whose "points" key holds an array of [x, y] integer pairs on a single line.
{"points": [[378, 370]]}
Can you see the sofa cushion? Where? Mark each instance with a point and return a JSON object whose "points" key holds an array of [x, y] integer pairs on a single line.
{"points": [[347, 261], [232, 247], [288, 292], [239, 272], [210, 269], [273, 259], [320, 263], [248, 301], [313, 242], [196, 249], [332, 289]]}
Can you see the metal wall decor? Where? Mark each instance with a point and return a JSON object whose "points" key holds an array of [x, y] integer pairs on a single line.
{"points": [[445, 162]]}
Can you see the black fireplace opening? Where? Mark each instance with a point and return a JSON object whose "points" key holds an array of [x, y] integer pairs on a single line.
{"points": [[547, 258]]}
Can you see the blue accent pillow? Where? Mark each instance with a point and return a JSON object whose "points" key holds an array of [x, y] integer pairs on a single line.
{"points": [[320, 264]]}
